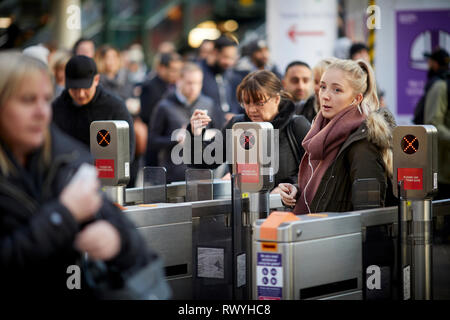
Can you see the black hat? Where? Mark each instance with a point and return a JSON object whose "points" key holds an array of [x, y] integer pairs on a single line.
{"points": [[440, 56], [80, 72]]}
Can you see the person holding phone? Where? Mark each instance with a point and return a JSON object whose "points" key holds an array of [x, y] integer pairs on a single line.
{"points": [[51, 208]]}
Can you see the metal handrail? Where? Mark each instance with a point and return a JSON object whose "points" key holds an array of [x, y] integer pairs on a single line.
{"points": [[388, 215]]}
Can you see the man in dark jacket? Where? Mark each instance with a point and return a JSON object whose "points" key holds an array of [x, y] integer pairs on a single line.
{"points": [[85, 101], [168, 66], [173, 113], [298, 81], [216, 79]]}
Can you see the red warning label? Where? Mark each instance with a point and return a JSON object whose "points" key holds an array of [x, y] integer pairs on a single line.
{"points": [[249, 172], [105, 168], [412, 178]]}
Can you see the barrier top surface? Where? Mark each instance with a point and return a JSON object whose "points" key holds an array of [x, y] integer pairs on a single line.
{"points": [[270, 226]]}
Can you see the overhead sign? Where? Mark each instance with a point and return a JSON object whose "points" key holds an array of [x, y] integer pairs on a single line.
{"points": [[301, 30]]}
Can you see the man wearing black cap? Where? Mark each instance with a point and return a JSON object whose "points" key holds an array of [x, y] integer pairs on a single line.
{"points": [[84, 101]]}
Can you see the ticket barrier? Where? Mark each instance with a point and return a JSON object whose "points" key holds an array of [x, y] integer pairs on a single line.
{"points": [[440, 277], [167, 228], [303, 247], [191, 238], [316, 256], [110, 146], [415, 174]]}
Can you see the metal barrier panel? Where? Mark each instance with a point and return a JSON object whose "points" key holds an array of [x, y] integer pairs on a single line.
{"points": [[314, 257], [167, 228]]}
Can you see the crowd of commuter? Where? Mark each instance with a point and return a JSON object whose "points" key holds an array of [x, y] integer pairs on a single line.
{"points": [[333, 130], [153, 99]]}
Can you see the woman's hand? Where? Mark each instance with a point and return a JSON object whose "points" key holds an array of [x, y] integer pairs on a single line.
{"points": [[288, 194], [199, 120], [100, 240], [81, 196]]}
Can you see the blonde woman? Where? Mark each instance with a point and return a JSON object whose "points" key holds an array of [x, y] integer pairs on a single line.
{"points": [[48, 219], [350, 139]]}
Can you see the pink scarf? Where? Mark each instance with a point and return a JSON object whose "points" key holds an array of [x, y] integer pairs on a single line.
{"points": [[322, 144]]}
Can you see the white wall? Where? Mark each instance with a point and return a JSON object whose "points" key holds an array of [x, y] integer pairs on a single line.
{"points": [[312, 24]]}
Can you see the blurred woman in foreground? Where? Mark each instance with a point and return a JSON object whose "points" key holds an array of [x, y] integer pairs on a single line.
{"points": [[48, 219]]}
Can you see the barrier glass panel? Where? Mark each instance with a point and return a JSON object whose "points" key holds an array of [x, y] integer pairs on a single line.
{"points": [[199, 185], [155, 187]]}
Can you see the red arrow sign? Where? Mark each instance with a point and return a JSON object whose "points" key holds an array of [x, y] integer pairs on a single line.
{"points": [[293, 33]]}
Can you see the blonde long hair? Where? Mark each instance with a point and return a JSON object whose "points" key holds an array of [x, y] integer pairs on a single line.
{"points": [[362, 79], [15, 67]]}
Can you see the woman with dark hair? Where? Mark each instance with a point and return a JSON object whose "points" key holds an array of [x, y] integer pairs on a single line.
{"points": [[262, 96]]}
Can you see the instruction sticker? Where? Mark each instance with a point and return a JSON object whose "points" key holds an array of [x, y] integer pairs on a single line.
{"points": [[210, 263], [412, 178], [249, 172], [269, 276], [241, 270], [127, 169], [407, 283], [105, 168]]}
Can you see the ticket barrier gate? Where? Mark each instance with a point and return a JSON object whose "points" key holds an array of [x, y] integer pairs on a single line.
{"points": [[415, 174], [211, 235], [440, 279], [110, 147], [287, 244], [316, 256], [167, 228], [189, 237]]}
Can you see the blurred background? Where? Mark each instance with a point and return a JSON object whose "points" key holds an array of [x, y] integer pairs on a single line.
{"points": [[396, 32]]}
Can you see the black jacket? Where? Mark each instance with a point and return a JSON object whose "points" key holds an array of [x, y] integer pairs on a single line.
{"points": [[170, 115], [288, 165], [210, 88], [367, 153], [76, 121], [153, 91], [37, 231], [307, 109]]}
